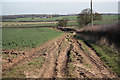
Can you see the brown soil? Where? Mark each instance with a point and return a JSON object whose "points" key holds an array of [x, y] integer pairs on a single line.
{"points": [[59, 54]]}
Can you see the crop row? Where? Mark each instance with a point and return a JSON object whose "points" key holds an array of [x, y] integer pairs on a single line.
{"points": [[26, 37]]}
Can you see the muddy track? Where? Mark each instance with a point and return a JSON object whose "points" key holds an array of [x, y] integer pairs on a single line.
{"points": [[48, 69], [99, 69], [66, 58], [62, 62], [56, 61], [29, 55]]}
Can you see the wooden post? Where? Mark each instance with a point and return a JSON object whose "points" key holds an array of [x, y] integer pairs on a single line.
{"points": [[91, 14]]}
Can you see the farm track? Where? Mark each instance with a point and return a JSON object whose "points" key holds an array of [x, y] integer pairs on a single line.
{"points": [[58, 57], [98, 69]]}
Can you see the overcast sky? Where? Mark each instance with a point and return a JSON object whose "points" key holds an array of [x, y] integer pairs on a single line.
{"points": [[59, 0], [14, 7]]}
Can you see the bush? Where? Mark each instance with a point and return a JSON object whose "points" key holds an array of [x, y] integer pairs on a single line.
{"points": [[63, 22]]}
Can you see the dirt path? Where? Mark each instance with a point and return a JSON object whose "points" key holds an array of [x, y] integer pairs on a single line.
{"points": [[97, 69], [65, 58]]}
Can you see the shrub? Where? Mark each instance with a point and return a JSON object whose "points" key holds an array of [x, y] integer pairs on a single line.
{"points": [[63, 22]]}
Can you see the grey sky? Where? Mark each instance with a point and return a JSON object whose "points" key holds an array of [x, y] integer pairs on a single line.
{"points": [[14, 8], [59, 0]]}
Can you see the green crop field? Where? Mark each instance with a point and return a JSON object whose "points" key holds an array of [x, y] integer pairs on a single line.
{"points": [[21, 38], [112, 19], [110, 16], [72, 23], [61, 17], [104, 22], [53, 22], [57, 18], [35, 25], [42, 19]]}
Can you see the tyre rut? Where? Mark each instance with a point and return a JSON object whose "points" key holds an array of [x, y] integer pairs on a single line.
{"points": [[58, 57]]}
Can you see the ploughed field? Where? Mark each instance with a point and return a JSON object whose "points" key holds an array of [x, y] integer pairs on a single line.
{"points": [[51, 53], [63, 57]]}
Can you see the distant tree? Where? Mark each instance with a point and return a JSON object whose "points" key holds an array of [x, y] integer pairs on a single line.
{"points": [[63, 22], [97, 16], [32, 17], [84, 18]]}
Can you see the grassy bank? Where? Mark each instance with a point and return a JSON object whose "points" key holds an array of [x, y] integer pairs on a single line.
{"points": [[109, 55]]}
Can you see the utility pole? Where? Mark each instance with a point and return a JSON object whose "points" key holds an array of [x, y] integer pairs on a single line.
{"points": [[91, 14]]}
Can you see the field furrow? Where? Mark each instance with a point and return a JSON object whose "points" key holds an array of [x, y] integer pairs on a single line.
{"points": [[64, 57]]}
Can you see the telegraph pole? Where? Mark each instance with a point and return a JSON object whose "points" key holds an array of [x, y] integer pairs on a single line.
{"points": [[91, 14]]}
